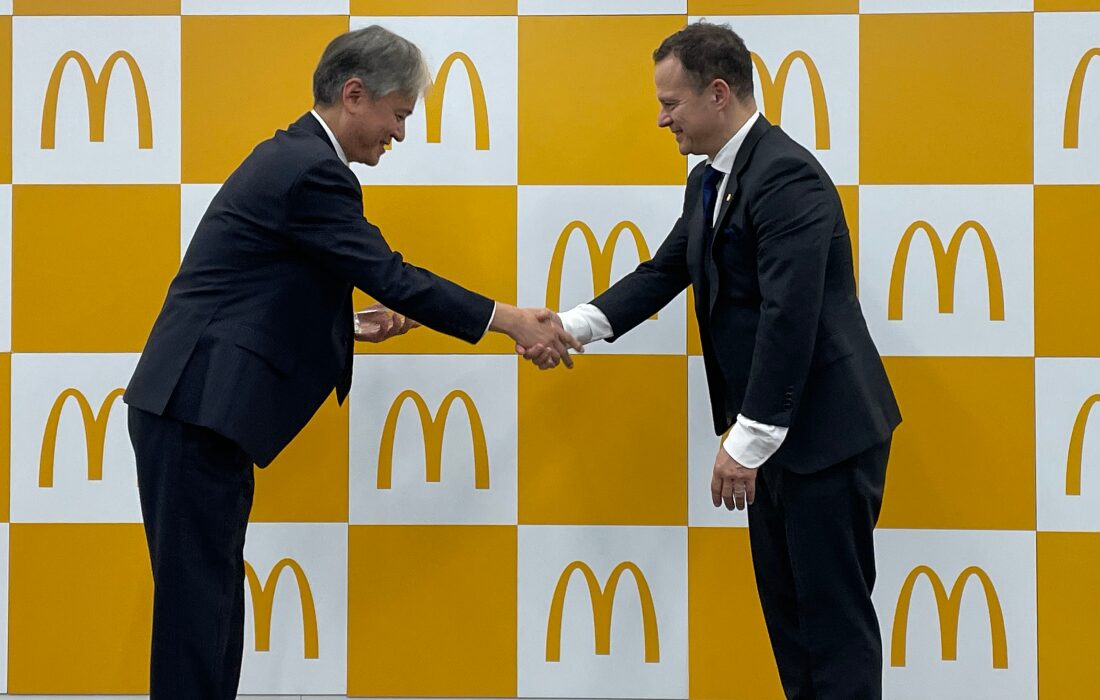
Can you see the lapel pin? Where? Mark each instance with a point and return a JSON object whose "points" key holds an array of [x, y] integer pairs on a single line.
{"points": [[729, 197]]}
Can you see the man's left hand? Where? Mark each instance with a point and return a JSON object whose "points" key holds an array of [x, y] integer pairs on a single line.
{"points": [[377, 323], [732, 483]]}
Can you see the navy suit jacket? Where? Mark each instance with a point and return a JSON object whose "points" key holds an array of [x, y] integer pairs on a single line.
{"points": [[783, 335], [256, 329]]}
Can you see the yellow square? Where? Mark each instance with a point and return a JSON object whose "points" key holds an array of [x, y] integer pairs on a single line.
{"points": [[242, 78], [97, 7], [961, 113], [5, 100], [964, 455], [91, 264], [587, 106], [5, 436], [1068, 576], [432, 611], [719, 573], [421, 8], [604, 443], [308, 481], [1066, 284], [81, 615], [771, 7], [1066, 5], [466, 234]]}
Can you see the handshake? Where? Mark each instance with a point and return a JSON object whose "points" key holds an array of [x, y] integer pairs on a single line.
{"points": [[538, 333]]}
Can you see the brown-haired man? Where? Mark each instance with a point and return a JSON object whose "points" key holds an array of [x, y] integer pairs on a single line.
{"points": [[792, 370]]}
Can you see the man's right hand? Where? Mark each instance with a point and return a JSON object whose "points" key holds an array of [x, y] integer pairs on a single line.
{"points": [[532, 327]]}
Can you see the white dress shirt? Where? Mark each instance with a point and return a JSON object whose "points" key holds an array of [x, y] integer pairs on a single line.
{"points": [[749, 442], [344, 160]]}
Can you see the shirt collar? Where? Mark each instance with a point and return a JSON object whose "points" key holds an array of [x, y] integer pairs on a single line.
{"points": [[723, 162], [332, 138]]}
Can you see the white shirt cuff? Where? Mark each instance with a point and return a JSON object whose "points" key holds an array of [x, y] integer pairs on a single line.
{"points": [[490, 323], [586, 323], [751, 443]]}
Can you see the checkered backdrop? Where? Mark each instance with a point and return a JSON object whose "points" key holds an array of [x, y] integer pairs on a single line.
{"points": [[468, 526]]}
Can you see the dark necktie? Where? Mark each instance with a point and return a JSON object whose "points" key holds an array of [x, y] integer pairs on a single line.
{"points": [[711, 179]]}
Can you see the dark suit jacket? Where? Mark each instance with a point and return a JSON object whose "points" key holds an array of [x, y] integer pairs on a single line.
{"points": [[256, 330], [784, 339]]}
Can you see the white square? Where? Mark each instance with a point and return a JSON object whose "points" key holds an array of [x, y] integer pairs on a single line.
{"points": [[463, 132], [567, 256], [1067, 444], [5, 268], [1067, 97], [67, 72], [194, 201], [906, 310], [636, 646], [813, 64], [433, 440], [71, 406], [307, 566], [996, 647], [703, 447]]}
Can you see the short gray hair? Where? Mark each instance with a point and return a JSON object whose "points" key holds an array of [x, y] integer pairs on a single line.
{"points": [[384, 61]]}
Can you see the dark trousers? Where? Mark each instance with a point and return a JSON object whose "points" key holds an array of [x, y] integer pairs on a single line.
{"points": [[814, 558], [196, 493]]}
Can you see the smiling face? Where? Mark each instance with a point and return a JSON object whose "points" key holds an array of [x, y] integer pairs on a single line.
{"points": [[373, 123], [696, 118]]}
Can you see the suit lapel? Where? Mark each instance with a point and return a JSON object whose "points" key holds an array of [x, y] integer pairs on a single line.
{"points": [[744, 154]]}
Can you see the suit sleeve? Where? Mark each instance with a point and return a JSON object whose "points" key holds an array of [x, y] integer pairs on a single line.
{"points": [[794, 215], [326, 214], [651, 286]]}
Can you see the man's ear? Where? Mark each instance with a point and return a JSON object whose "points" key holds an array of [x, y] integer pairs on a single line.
{"points": [[721, 93], [354, 94]]}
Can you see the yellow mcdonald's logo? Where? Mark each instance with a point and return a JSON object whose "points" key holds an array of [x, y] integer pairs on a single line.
{"points": [[773, 91], [96, 91], [600, 258], [95, 434], [433, 102], [1072, 129], [948, 607], [433, 437], [947, 265], [602, 603], [1077, 446], [263, 599]]}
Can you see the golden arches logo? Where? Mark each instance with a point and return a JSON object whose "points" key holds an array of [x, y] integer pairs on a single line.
{"points": [[433, 102], [600, 258], [1077, 446], [1072, 130], [948, 608], [433, 429], [95, 434], [263, 600], [773, 91], [947, 265], [96, 91], [603, 601]]}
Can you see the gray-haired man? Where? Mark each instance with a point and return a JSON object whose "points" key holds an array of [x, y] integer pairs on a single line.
{"points": [[257, 330]]}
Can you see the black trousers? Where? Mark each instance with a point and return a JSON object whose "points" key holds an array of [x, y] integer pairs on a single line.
{"points": [[196, 493], [814, 557]]}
